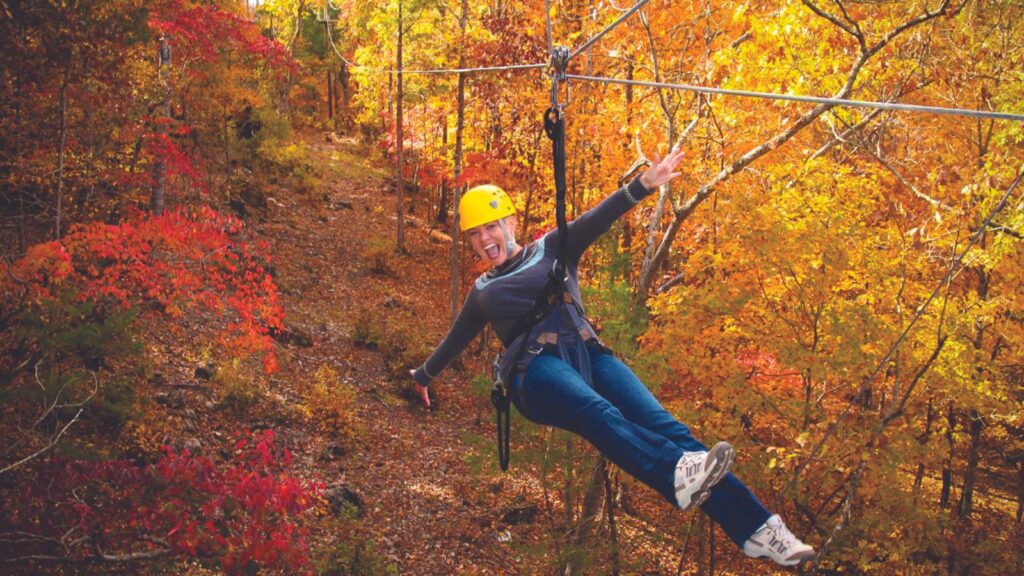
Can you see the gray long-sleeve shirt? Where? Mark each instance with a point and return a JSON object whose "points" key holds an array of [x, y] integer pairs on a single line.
{"points": [[502, 295]]}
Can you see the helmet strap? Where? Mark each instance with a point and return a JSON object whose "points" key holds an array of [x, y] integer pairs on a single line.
{"points": [[510, 242]]}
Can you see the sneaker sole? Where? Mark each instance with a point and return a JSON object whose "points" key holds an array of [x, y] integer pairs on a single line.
{"points": [[788, 563], [724, 456]]}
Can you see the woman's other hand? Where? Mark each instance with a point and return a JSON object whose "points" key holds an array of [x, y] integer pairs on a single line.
{"points": [[421, 391], [661, 170]]}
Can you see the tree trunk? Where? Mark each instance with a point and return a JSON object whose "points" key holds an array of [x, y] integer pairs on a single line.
{"points": [[581, 535], [460, 123], [648, 264], [158, 197], [530, 185], [613, 532], [17, 152], [441, 217], [627, 225], [1020, 494], [947, 466], [923, 439], [346, 96], [399, 137], [330, 90], [711, 547], [966, 505], [62, 143], [90, 139], [702, 544]]}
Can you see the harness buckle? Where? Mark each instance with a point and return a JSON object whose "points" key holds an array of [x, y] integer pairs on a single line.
{"points": [[559, 271]]}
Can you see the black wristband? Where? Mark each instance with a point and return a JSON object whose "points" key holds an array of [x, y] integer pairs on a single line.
{"points": [[421, 378]]}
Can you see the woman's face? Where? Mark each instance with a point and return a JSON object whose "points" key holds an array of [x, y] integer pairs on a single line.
{"points": [[488, 241]]}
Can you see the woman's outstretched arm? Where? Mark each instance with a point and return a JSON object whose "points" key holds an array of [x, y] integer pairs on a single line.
{"points": [[467, 325], [590, 225]]}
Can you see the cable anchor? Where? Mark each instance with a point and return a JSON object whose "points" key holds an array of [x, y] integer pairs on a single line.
{"points": [[559, 63]]}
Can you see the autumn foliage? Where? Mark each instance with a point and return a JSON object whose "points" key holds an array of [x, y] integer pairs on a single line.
{"points": [[242, 514], [182, 262], [205, 32]]}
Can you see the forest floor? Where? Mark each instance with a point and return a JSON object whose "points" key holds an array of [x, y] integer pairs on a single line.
{"points": [[429, 496]]}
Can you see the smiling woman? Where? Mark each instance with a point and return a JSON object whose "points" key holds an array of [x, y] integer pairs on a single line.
{"points": [[559, 373]]}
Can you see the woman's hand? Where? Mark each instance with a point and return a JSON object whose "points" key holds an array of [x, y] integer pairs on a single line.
{"points": [[661, 170], [421, 391]]}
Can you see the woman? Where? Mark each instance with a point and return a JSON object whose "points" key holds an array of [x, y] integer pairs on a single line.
{"points": [[566, 378]]}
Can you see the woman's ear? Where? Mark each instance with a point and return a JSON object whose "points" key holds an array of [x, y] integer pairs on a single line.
{"points": [[512, 224]]}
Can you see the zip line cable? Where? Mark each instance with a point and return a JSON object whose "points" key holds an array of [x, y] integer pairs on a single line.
{"points": [[465, 70], [606, 30], [812, 99]]}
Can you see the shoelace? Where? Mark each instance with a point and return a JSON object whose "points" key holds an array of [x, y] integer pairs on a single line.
{"points": [[691, 464], [781, 539]]}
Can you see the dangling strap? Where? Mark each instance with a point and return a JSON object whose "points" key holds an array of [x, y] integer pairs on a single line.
{"points": [[554, 126]]}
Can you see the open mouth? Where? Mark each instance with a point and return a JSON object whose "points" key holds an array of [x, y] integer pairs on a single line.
{"points": [[492, 251]]}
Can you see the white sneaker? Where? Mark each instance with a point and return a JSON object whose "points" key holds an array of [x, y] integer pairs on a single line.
{"points": [[697, 472], [775, 541]]}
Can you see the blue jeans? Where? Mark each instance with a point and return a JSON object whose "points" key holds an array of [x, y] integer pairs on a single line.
{"points": [[628, 425]]}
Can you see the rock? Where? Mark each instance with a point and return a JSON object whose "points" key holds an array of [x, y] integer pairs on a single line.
{"points": [[174, 399], [253, 196], [293, 335], [525, 514], [344, 500], [238, 207], [333, 452], [205, 372]]}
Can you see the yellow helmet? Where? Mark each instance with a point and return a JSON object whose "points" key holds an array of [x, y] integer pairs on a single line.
{"points": [[483, 204]]}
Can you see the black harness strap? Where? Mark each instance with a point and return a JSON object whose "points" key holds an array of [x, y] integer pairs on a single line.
{"points": [[554, 126], [550, 295]]}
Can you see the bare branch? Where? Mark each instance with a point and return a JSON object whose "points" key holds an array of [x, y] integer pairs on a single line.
{"points": [[51, 444], [841, 525], [897, 410], [98, 554], [835, 20], [135, 556], [670, 283], [702, 107], [856, 26], [874, 154], [840, 138]]}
